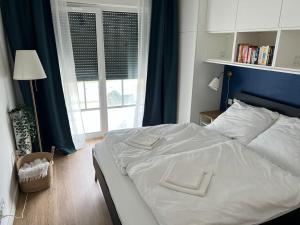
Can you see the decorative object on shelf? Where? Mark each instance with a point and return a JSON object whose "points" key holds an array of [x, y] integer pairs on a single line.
{"points": [[208, 117], [39, 182], [24, 127], [215, 84], [28, 67]]}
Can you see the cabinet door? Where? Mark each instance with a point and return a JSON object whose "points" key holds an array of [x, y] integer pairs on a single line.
{"points": [[290, 15], [258, 14], [221, 15]]}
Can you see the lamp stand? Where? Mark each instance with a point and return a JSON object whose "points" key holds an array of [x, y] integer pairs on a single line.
{"points": [[36, 116], [229, 75]]}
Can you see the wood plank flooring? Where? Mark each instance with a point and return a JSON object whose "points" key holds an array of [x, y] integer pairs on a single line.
{"points": [[74, 197]]}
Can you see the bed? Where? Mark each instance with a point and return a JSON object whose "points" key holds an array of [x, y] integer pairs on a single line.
{"points": [[125, 203]]}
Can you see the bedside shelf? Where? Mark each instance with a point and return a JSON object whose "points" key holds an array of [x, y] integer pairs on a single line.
{"points": [[208, 117]]}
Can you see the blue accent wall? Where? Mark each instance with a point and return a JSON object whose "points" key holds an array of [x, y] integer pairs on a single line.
{"points": [[281, 87]]}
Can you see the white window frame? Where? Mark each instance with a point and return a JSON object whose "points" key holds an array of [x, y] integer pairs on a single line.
{"points": [[98, 9]]}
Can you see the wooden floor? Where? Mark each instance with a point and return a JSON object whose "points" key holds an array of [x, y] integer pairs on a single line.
{"points": [[74, 197]]}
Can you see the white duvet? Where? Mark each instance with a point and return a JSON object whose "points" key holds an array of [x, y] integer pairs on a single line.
{"points": [[175, 138], [246, 188]]}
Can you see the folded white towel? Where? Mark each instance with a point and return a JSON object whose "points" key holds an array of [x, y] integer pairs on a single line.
{"points": [[189, 182], [33, 170], [143, 140], [183, 175]]}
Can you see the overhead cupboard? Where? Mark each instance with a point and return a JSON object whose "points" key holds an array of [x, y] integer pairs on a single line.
{"points": [[260, 34]]}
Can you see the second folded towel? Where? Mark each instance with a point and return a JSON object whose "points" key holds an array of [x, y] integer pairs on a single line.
{"points": [[143, 140]]}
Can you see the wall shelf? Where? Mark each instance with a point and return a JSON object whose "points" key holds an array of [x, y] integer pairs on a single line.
{"points": [[219, 46], [222, 48], [255, 26], [288, 55], [254, 66]]}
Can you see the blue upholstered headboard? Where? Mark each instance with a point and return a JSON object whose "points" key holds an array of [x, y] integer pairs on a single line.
{"points": [[269, 104], [280, 87]]}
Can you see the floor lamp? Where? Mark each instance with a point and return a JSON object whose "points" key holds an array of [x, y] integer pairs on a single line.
{"points": [[28, 67]]}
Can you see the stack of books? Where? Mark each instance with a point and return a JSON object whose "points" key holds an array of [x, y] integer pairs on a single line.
{"points": [[255, 55]]}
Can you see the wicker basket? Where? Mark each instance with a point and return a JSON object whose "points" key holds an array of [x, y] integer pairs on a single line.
{"points": [[40, 184]]}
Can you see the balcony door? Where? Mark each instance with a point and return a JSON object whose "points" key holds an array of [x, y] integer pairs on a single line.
{"points": [[105, 48]]}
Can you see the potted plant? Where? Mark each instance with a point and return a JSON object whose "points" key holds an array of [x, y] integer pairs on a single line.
{"points": [[24, 127]]}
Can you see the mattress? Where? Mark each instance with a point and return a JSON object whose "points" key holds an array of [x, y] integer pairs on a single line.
{"points": [[123, 192]]}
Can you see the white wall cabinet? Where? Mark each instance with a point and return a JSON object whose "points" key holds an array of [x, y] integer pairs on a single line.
{"points": [[258, 14], [290, 14], [221, 15]]}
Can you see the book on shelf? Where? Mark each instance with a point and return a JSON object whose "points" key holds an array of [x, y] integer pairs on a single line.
{"points": [[263, 55], [240, 53], [270, 57], [252, 54], [245, 53], [249, 54]]}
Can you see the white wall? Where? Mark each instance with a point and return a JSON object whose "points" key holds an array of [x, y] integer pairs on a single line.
{"points": [[8, 185], [194, 75], [187, 49], [203, 98]]}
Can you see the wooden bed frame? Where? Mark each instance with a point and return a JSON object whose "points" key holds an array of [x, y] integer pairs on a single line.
{"points": [[107, 196], [291, 218]]}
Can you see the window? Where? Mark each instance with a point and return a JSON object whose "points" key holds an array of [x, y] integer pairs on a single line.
{"points": [[115, 108]]}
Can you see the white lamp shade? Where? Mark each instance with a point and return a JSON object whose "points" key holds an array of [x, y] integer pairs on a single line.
{"points": [[214, 84], [28, 66]]}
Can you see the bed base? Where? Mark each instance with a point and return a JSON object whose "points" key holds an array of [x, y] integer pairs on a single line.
{"points": [[107, 196]]}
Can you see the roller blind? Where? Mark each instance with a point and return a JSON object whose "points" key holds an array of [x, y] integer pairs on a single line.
{"points": [[84, 44], [120, 36], [120, 44]]}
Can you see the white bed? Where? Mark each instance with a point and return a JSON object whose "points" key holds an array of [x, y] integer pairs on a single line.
{"points": [[139, 198]]}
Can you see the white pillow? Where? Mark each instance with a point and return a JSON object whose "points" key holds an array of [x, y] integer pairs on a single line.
{"points": [[244, 122], [281, 144]]}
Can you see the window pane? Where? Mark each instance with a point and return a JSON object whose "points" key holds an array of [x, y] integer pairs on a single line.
{"points": [[130, 91], [121, 118], [91, 121], [92, 94], [81, 94], [114, 92]]}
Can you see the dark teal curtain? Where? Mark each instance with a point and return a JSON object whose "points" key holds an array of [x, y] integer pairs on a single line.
{"points": [[28, 25], [161, 91]]}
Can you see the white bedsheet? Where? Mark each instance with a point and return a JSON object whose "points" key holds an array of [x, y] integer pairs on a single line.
{"points": [[131, 208], [246, 188], [175, 138]]}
